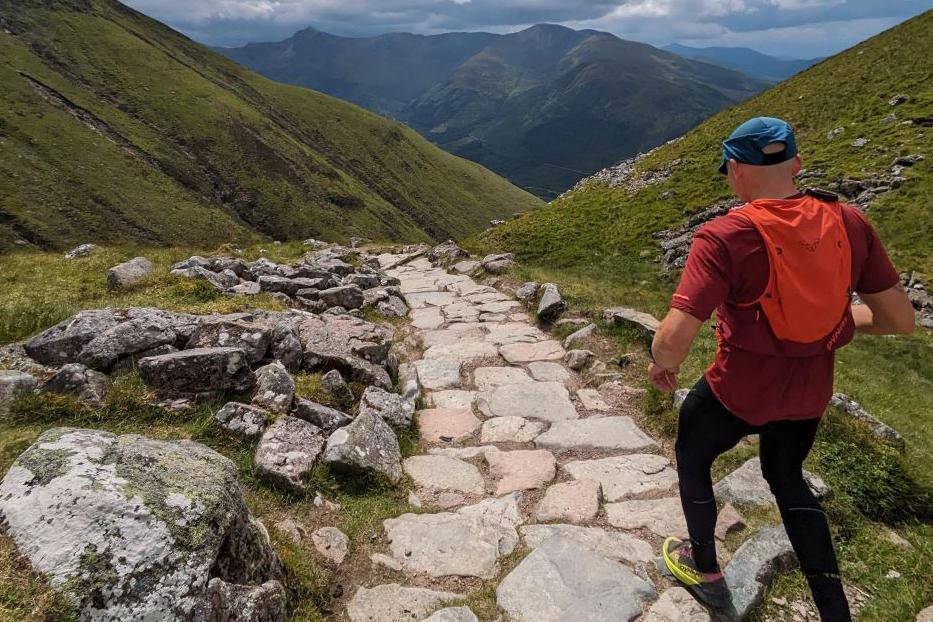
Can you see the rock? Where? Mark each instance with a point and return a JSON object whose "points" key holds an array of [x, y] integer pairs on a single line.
{"points": [[332, 543], [393, 408], [578, 359], [679, 396], [926, 615], [448, 544], [548, 372], [129, 273], [242, 418], [487, 378], [663, 517], [446, 253], [729, 521], [583, 333], [527, 352], [676, 605], [510, 430], [646, 323], [464, 453], [408, 381], [889, 119], [435, 374], [291, 529], [564, 580], [393, 306], [75, 379], [135, 336], [440, 473], [287, 451], [879, 429], [746, 486], [120, 512], [368, 444], [466, 266], [358, 349], [452, 398], [546, 401], [504, 510], [523, 469], [394, 603], [860, 142], [450, 500], [324, 417], [12, 384], [832, 134], [289, 287], [63, 342], [427, 318], [197, 371], [286, 347], [246, 288], [899, 99], [333, 383], [610, 433], [254, 339], [346, 296], [275, 388], [570, 502], [82, 250], [498, 266], [418, 300], [620, 547], [755, 565], [551, 303], [626, 476], [465, 351], [256, 603], [528, 291], [446, 424], [453, 614], [591, 400]]}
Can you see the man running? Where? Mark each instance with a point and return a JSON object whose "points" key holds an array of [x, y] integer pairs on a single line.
{"points": [[779, 272]]}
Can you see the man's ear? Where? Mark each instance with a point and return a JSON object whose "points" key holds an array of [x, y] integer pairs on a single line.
{"points": [[798, 164]]}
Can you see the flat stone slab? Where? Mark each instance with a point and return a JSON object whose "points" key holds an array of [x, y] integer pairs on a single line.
{"points": [[591, 400], [528, 352], [510, 430], [570, 502], [746, 486], [499, 306], [548, 372], [454, 334], [755, 565], [563, 580], [452, 398], [461, 312], [676, 605], [662, 517], [417, 300], [435, 374], [332, 543], [464, 453], [395, 603], [453, 614], [626, 476], [427, 318], [446, 424], [621, 547], [463, 351], [547, 401], [486, 378], [505, 510], [609, 433], [524, 469], [442, 473]]}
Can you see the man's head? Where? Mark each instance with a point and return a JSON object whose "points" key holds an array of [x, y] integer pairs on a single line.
{"points": [[760, 159]]}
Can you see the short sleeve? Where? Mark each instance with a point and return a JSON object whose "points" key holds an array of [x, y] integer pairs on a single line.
{"points": [[878, 273], [704, 284]]}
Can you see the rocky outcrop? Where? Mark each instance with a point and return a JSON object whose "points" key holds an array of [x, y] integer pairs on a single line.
{"points": [[132, 528], [202, 370]]}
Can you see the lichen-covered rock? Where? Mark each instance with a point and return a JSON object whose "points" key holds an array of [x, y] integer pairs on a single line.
{"points": [[346, 296], [393, 408], [63, 342], [333, 383], [132, 528], [367, 444], [551, 304], [75, 379], [129, 273], [13, 383], [201, 370], [253, 338], [287, 452], [446, 253], [324, 417], [242, 603], [286, 347], [289, 287], [392, 306], [242, 418], [142, 333], [754, 567], [394, 603], [879, 429], [82, 250], [275, 388], [358, 349], [527, 291]]}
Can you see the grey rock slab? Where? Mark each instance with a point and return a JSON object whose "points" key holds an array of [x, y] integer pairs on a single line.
{"points": [[578, 335], [357, 348], [346, 296], [754, 566], [570, 502], [332, 543], [118, 511], [591, 400], [453, 334], [466, 266], [463, 351], [746, 486], [242, 418], [63, 342], [338, 388], [547, 401], [528, 352], [663, 517], [427, 318], [254, 339], [608, 433], [564, 580], [505, 510], [198, 370], [125, 339], [446, 424], [436, 374], [498, 306], [621, 547], [367, 444], [128, 273], [677, 605], [486, 378], [548, 372], [510, 430], [578, 359], [626, 476], [514, 333], [527, 291], [394, 409], [395, 603], [275, 388], [12, 384], [417, 300], [464, 453], [439, 473], [453, 614], [452, 398], [551, 304], [644, 322], [287, 452], [523, 469], [926, 615], [87, 385], [461, 312], [257, 603], [324, 417]]}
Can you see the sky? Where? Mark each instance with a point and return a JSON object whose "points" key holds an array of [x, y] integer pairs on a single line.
{"points": [[788, 28]]}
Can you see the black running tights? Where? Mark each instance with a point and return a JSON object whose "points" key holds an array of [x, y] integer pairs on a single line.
{"points": [[706, 430]]}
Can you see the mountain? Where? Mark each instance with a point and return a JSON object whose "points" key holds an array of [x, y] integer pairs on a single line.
{"points": [[746, 60], [116, 128], [543, 107]]}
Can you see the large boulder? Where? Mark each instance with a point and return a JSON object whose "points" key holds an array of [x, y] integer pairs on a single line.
{"points": [[63, 342], [287, 452], [368, 444], [242, 418], [746, 486], [289, 287], [346, 296], [253, 338], [75, 379], [324, 417], [358, 349], [137, 335], [202, 370], [132, 528], [275, 388], [392, 407], [129, 273], [12, 384]]}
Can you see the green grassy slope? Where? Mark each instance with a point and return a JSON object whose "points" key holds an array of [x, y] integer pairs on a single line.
{"points": [[115, 128]]}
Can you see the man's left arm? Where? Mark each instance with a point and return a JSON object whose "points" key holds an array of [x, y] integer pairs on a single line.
{"points": [[671, 346]]}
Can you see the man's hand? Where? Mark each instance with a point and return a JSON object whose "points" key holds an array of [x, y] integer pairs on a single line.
{"points": [[663, 379]]}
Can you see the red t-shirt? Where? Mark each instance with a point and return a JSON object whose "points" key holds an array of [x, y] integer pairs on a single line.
{"points": [[756, 376]]}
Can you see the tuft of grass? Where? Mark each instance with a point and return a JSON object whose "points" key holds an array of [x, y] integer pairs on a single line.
{"points": [[24, 595]]}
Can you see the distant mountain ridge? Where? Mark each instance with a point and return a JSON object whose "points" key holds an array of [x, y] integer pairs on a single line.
{"points": [[543, 107], [746, 60]]}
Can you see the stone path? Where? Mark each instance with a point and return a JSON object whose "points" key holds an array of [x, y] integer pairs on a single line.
{"points": [[523, 460]]}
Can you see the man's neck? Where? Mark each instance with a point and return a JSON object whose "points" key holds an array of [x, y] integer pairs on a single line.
{"points": [[778, 191]]}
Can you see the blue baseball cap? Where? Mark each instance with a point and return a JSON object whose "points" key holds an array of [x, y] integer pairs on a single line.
{"points": [[746, 143]]}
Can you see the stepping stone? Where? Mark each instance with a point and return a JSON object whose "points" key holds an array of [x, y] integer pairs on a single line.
{"points": [[454, 334], [440, 473], [487, 378], [519, 316], [547, 401], [499, 511], [510, 430], [464, 453], [492, 317], [663, 517], [626, 476], [453, 614], [418, 300], [591, 400], [435, 374], [427, 318], [604, 433], [461, 312], [514, 332], [453, 398], [570, 502], [564, 580], [446, 424], [729, 521], [465, 266], [332, 543], [418, 285], [528, 352], [746, 486], [463, 351], [484, 296], [548, 372], [755, 565], [524, 469], [676, 605], [466, 287], [499, 306], [621, 547], [394, 603]]}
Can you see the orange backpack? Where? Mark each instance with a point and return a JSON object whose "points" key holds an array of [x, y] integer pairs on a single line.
{"points": [[810, 281]]}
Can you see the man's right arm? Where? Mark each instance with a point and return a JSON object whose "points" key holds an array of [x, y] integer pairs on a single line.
{"points": [[885, 313]]}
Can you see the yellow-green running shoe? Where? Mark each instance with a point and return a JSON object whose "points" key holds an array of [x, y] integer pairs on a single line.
{"points": [[708, 587]]}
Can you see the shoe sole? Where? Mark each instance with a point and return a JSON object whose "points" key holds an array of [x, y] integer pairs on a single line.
{"points": [[689, 582]]}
